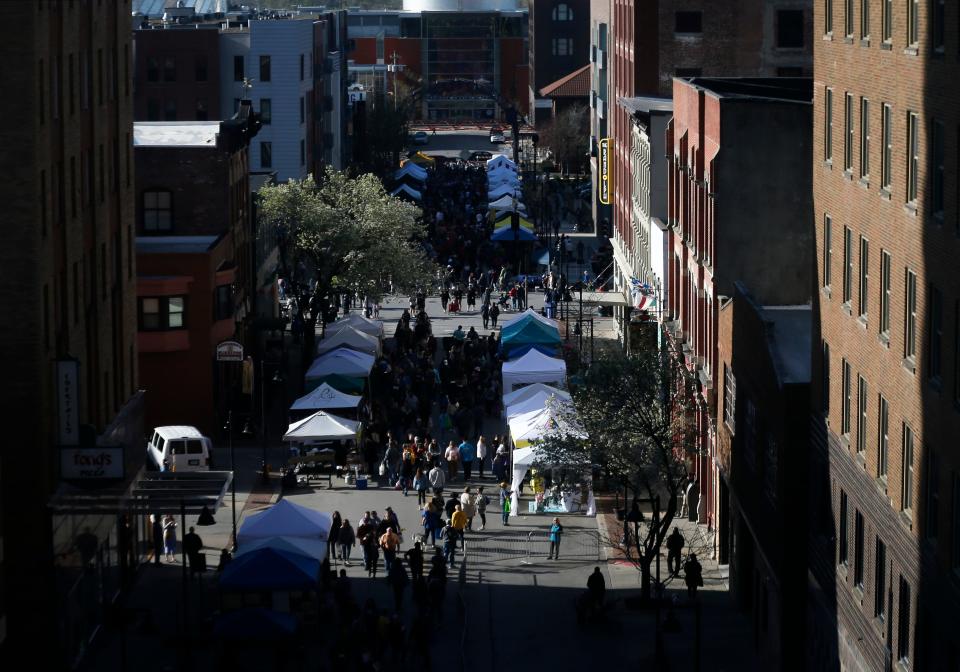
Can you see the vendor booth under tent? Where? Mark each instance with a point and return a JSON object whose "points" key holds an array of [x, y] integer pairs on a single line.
{"points": [[412, 170], [322, 426], [529, 332], [285, 519], [506, 234], [358, 322], [255, 624], [518, 321], [350, 337], [523, 459], [406, 190], [342, 368], [527, 428], [522, 393], [536, 402], [313, 548], [500, 161], [325, 397], [533, 367], [270, 569]]}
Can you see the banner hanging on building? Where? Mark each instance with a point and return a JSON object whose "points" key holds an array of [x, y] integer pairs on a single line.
{"points": [[604, 180]]}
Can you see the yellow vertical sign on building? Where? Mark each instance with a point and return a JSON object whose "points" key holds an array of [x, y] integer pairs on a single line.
{"points": [[606, 178]]}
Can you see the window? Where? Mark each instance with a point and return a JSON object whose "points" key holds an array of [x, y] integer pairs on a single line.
{"points": [[562, 46], [847, 393], [828, 126], [848, 18], [903, 628], [858, 530], [828, 17], [303, 153], [934, 334], [886, 162], [910, 316], [848, 131], [864, 139], [790, 28], [932, 485], [826, 378], [885, 296], [266, 110], [862, 403], [688, 22], [264, 68], [200, 68], [883, 437], [887, 21], [153, 69], [865, 19], [913, 22], [157, 212], [301, 67], [827, 250], [879, 579], [937, 168], [161, 313], [266, 154], [937, 21], [562, 12], [238, 68], [863, 298], [170, 110], [913, 156], [729, 399], [842, 535], [223, 303], [169, 69], [906, 471], [302, 110], [847, 264]]}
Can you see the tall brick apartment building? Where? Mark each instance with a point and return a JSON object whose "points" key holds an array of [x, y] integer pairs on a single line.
{"points": [[70, 379], [885, 549]]}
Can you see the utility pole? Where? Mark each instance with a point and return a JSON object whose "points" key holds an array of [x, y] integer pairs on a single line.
{"points": [[395, 68]]}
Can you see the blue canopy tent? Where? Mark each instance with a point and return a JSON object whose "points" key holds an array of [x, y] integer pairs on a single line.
{"points": [[270, 569], [255, 623], [531, 333], [506, 235]]}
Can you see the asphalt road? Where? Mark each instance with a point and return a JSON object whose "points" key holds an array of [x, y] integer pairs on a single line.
{"points": [[461, 144]]}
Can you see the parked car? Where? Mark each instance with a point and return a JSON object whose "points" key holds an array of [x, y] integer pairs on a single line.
{"points": [[421, 138], [497, 136], [179, 448]]}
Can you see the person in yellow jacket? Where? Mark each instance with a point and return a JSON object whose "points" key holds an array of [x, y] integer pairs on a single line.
{"points": [[459, 522]]}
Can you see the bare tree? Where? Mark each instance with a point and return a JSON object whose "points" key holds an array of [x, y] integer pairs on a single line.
{"points": [[637, 413], [567, 136]]}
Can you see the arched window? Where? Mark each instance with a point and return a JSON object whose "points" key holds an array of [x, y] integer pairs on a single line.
{"points": [[562, 12]]}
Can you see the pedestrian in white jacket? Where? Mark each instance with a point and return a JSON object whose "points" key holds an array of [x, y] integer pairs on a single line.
{"points": [[482, 451]]}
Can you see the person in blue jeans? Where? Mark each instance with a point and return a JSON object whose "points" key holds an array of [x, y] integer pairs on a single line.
{"points": [[556, 532], [450, 537], [467, 454]]}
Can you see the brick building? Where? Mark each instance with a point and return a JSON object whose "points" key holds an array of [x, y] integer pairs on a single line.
{"points": [[737, 212], [69, 291], [195, 257], [559, 44], [885, 554], [652, 42], [177, 74], [763, 396]]}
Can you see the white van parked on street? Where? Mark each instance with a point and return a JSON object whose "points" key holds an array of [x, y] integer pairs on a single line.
{"points": [[179, 448]]}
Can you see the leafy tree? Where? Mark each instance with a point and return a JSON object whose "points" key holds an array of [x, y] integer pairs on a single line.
{"points": [[345, 234], [567, 135], [637, 412]]}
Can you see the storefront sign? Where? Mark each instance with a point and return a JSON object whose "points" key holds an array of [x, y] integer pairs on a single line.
{"points": [[68, 402], [230, 351], [603, 185], [84, 463]]}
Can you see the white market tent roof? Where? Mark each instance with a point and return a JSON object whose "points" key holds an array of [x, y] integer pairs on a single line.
{"points": [[285, 519], [325, 396], [413, 170], [341, 362], [519, 395], [313, 548], [504, 189], [352, 338], [528, 427], [507, 202], [322, 426], [523, 458], [534, 402], [408, 190], [358, 322], [499, 161], [533, 367]]}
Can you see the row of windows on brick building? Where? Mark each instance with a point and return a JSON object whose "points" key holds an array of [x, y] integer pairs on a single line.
{"points": [[912, 28]]}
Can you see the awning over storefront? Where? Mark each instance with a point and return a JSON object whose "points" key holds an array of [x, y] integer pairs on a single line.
{"points": [[154, 492], [602, 298]]}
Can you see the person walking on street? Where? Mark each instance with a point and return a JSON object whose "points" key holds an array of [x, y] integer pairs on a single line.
{"points": [[415, 560], [598, 589], [494, 315], [437, 480], [193, 547], [482, 451], [505, 502], [468, 506], [371, 553], [556, 532], [420, 483], [397, 577], [459, 522], [170, 538], [452, 455], [450, 544], [692, 575], [347, 540], [444, 298], [675, 544], [485, 314], [390, 543], [335, 524], [482, 501], [467, 454]]}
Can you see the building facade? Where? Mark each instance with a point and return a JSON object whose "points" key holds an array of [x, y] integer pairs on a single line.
{"points": [[885, 555], [559, 44], [70, 356], [600, 67], [737, 212]]}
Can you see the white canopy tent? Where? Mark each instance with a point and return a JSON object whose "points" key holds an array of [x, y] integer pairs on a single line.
{"points": [[341, 362], [504, 189], [323, 397], [533, 367], [532, 426], [523, 458], [500, 161], [322, 426], [522, 393], [535, 402], [353, 338], [504, 175], [285, 519], [302, 545], [358, 322], [507, 202]]}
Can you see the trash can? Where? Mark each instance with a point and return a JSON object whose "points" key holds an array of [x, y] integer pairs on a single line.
{"points": [[362, 482]]}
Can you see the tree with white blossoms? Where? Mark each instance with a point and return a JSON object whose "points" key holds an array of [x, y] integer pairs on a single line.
{"points": [[345, 234], [637, 413]]}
